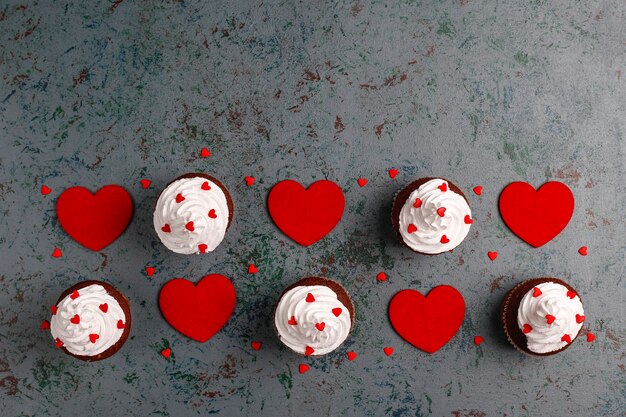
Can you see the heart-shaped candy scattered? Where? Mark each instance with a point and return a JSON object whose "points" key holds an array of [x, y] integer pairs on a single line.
{"points": [[150, 270], [309, 298], [120, 324], [45, 190], [308, 351], [351, 356], [249, 181], [204, 152], [145, 183], [104, 307], [75, 319], [256, 345], [388, 351], [382, 277], [393, 173], [45, 325], [591, 337], [362, 182], [492, 255], [337, 311], [252, 269], [583, 250], [93, 337], [320, 326], [303, 368], [478, 340], [167, 352], [478, 190], [56, 253]]}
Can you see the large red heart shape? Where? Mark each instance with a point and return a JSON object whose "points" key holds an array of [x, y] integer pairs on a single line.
{"points": [[95, 220], [536, 216], [306, 215], [198, 311], [428, 322]]}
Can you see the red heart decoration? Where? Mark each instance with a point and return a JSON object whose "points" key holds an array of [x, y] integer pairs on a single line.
{"points": [[536, 216], [306, 215], [95, 220], [428, 322], [198, 311]]}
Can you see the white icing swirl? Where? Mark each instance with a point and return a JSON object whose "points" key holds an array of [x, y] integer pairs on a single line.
{"points": [[543, 337], [206, 208], [428, 227], [293, 305], [92, 321]]}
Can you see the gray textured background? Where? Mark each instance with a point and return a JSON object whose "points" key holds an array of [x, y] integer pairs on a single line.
{"points": [[483, 93]]}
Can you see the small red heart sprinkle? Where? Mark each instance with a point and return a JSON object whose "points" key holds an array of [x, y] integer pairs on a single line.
{"points": [[362, 182], [249, 181], [308, 351], [202, 247], [579, 318], [441, 211], [382, 277], [256, 345], [166, 353], [527, 328], [58, 343], [536, 292], [189, 226], [303, 368], [478, 190], [417, 203], [120, 324], [388, 351], [309, 298], [411, 228], [205, 186], [56, 253], [93, 337], [492, 255], [150, 270], [252, 269], [467, 219], [75, 319], [566, 338], [204, 152], [337, 311], [166, 228], [550, 318], [591, 337], [45, 190], [478, 340], [292, 321], [320, 326], [583, 250], [212, 214], [74, 295], [45, 325], [393, 173], [443, 187], [179, 198], [145, 183], [571, 294], [444, 239], [54, 309], [352, 355], [104, 307]]}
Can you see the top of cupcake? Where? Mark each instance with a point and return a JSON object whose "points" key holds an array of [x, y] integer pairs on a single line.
{"points": [[434, 219], [550, 315], [192, 215], [88, 321], [311, 320]]}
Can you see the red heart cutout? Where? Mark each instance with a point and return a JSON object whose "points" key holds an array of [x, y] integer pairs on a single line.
{"points": [[428, 322], [198, 311], [95, 220], [306, 215], [538, 216]]}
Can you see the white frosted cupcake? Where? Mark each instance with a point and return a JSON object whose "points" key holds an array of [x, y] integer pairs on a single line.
{"points": [[314, 316], [193, 213], [431, 216]]}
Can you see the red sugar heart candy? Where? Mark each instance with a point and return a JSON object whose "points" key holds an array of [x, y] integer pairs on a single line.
{"points": [[45, 190], [362, 182], [309, 298], [388, 351], [527, 328], [478, 190], [150, 270], [256, 345], [56, 253], [467, 219], [166, 353], [308, 351], [536, 292], [411, 228], [444, 239], [202, 247], [58, 342], [579, 318], [320, 326], [351, 356], [74, 295], [45, 325], [212, 214], [478, 340], [417, 204], [382, 277], [104, 307], [583, 250], [550, 318], [443, 187], [337, 311], [492, 255], [292, 321], [571, 294], [93, 337], [441, 211], [303, 368], [179, 198], [166, 228], [145, 183], [393, 173], [189, 226], [120, 324], [591, 337], [54, 309], [204, 152], [252, 269], [566, 338], [205, 186], [75, 319], [249, 181]]}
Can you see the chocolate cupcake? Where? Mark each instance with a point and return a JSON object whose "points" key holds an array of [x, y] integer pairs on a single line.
{"points": [[193, 213], [314, 316], [90, 321], [542, 316], [431, 216]]}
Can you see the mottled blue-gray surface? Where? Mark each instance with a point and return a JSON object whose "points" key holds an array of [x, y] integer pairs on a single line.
{"points": [[482, 93]]}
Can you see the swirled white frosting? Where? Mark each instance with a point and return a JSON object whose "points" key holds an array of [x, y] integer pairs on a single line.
{"points": [[293, 306], [542, 337], [423, 229], [92, 320], [206, 210]]}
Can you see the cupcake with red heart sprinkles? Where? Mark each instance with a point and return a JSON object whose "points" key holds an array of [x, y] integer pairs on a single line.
{"points": [[542, 316], [90, 321], [193, 213], [431, 216], [314, 316]]}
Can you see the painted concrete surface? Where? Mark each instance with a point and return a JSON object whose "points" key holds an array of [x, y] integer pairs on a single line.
{"points": [[482, 93]]}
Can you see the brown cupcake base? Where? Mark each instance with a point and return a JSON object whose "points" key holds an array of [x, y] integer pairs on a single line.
{"points": [[508, 314], [403, 195], [124, 304]]}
